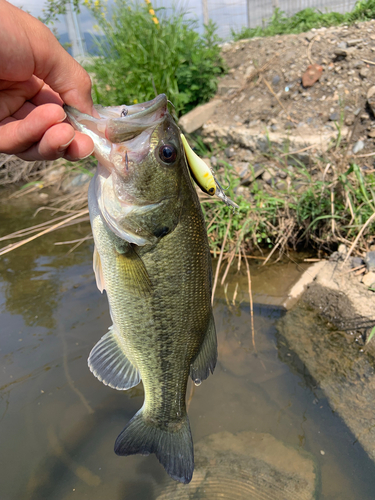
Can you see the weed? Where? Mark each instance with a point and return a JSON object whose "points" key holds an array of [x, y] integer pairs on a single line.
{"points": [[306, 19], [140, 59]]}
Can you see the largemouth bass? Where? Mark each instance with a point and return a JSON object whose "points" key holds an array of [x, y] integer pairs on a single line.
{"points": [[152, 258]]}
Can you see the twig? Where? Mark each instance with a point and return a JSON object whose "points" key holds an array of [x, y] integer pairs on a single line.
{"points": [[309, 48], [251, 304], [230, 260], [220, 259], [333, 211], [368, 62], [278, 100], [358, 236], [235, 295], [298, 151], [9, 248], [254, 74]]}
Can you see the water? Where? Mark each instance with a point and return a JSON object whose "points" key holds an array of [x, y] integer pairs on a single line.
{"points": [[58, 423]]}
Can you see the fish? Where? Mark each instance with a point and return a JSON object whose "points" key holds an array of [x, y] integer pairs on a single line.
{"points": [[152, 258]]}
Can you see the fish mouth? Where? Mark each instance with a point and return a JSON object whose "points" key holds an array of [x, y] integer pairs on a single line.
{"points": [[120, 123], [120, 127]]}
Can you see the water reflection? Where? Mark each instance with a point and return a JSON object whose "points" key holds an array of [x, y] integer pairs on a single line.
{"points": [[59, 423]]}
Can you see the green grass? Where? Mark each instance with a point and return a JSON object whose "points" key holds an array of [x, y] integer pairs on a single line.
{"points": [[320, 211], [306, 19], [141, 59]]}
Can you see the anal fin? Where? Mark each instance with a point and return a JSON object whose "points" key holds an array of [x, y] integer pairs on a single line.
{"points": [[109, 363], [205, 361]]}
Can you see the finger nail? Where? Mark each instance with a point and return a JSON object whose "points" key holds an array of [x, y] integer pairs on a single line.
{"points": [[62, 119], [70, 158], [65, 146]]}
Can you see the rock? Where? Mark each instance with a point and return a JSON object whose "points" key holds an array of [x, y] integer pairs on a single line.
{"points": [[342, 250], [369, 279], [371, 133], [355, 41], [267, 177], [334, 117], [229, 152], [356, 262], [213, 161], [370, 261], [364, 73], [358, 146], [276, 80], [342, 45], [371, 98], [343, 52], [281, 185], [311, 75], [199, 116], [253, 173], [243, 466]]}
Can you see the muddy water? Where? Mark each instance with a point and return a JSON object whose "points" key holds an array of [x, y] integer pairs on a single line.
{"points": [[58, 423]]}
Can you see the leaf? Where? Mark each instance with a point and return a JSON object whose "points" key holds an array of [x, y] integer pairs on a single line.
{"points": [[372, 333]]}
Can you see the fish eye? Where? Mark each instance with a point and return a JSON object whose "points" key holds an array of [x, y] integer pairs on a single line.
{"points": [[167, 153]]}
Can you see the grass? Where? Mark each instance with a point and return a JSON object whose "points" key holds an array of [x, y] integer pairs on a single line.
{"points": [[306, 19], [330, 202], [319, 206], [140, 59]]}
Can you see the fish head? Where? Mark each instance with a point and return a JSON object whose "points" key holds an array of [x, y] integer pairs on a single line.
{"points": [[141, 167]]}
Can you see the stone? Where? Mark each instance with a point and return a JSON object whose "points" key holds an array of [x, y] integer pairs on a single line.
{"points": [[358, 146], [281, 185], [342, 250], [252, 173], [229, 152], [364, 73], [197, 117], [334, 117], [355, 41], [371, 133], [342, 45], [370, 261], [247, 465], [312, 75], [371, 98], [344, 52], [356, 262], [369, 279], [276, 80]]}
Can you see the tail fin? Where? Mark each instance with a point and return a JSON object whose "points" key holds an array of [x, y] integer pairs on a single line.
{"points": [[173, 447]]}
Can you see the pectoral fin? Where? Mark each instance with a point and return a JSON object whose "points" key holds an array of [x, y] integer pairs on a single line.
{"points": [[109, 363], [97, 265], [136, 278], [205, 361]]}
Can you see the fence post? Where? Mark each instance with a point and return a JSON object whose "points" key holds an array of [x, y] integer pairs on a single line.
{"points": [[248, 12], [205, 12]]}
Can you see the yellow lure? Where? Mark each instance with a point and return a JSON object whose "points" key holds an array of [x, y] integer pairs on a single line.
{"points": [[201, 172]]}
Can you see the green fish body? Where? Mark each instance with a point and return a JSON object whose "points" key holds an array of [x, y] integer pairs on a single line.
{"points": [[152, 258]]}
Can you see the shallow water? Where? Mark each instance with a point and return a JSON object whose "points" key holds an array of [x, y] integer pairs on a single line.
{"points": [[58, 423]]}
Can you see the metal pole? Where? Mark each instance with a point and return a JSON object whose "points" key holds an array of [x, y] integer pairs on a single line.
{"points": [[205, 12], [248, 13]]}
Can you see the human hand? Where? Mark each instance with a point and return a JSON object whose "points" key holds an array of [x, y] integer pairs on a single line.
{"points": [[37, 76]]}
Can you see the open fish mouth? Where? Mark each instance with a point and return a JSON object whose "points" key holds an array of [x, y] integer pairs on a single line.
{"points": [[120, 123]]}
